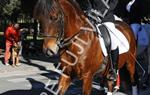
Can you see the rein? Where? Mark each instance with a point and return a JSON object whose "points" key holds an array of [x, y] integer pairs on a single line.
{"points": [[67, 41]]}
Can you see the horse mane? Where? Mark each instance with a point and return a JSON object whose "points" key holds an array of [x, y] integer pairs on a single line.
{"points": [[44, 7], [76, 5], [75, 12]]}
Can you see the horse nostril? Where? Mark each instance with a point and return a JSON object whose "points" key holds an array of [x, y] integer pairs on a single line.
{"points": [[49, 52]]}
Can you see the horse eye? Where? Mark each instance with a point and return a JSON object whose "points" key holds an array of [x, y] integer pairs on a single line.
{"points": [[55, 18]]}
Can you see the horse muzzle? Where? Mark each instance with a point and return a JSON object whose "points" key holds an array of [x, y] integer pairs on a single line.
{"points": [[51, 52]]}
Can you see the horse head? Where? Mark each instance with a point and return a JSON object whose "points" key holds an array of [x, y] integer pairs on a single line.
{"points": [[51, 14]]}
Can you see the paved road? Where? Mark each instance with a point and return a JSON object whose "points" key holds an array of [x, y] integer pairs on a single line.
{"points": [[32, 77]]}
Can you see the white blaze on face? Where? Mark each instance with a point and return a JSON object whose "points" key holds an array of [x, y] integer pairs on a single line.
{"points": [[54, 48]]}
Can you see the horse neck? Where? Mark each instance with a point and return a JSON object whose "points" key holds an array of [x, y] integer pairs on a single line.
{"points": [[72, 18]]}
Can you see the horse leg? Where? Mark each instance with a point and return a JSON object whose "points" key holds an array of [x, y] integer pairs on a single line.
{"points": [[110, 87], [87, 84], [64, 83], [131, 68]]}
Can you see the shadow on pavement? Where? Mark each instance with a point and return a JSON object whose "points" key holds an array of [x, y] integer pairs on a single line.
{"points": [[37, 89]]}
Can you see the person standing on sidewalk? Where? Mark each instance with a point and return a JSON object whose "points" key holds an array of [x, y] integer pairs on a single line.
{"points": [[12, 36]]}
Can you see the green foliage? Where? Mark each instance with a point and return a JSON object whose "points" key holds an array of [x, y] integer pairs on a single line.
{"points": [[11, 6]]}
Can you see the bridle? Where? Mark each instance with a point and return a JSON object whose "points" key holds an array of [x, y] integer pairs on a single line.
{"points": [[61, 41]]}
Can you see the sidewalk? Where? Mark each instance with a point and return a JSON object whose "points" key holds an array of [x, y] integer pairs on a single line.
{"points": [[29, 65]]}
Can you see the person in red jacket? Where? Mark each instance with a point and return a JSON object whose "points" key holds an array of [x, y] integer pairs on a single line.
{"points": [[12, 36]]}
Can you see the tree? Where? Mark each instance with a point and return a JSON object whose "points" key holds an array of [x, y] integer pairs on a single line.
{"points": [[10, 7]]}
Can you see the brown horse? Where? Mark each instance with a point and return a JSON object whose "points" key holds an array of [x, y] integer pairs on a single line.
{"points": [[67, 32]]}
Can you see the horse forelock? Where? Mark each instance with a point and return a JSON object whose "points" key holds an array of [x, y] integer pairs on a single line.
{"points": [[44, 8]]}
